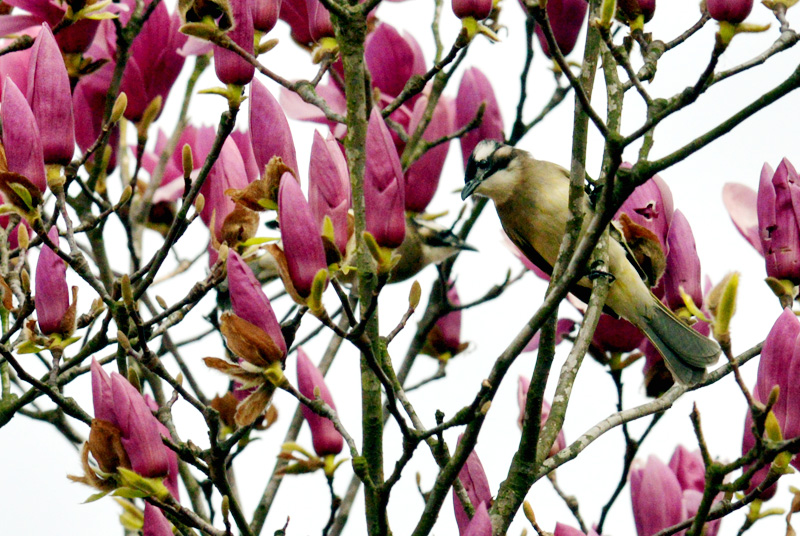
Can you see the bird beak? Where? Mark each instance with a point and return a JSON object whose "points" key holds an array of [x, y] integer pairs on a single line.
{"points": [[470, 187], [466, 247]]}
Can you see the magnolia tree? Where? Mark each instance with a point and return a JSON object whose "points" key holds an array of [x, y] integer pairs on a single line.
{"points": [[166, 422]]}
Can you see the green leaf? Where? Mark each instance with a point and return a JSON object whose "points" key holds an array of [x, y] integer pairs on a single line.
{"points": [[96, 497]]}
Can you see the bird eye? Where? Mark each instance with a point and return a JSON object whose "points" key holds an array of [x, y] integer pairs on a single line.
{"points": [[482, 164]]}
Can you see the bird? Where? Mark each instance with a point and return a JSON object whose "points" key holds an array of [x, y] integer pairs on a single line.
{"points": [[531, 197], [425, 243]]}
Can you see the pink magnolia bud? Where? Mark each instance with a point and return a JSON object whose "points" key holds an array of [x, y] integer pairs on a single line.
{"points": [[477, 9], [74, 38], [154, 62], [734, 11], [295, 14], [265, 14], [319, 20], [683, 265], [50, 98], [16, 65], [778, 222], [741, 202], [392, 59], [21, 139], [473, 91], [566, 20], [243, 143], [616, 335], [748, 442], [481, 523], [155, 523], [564, 327], [229, 66], [329, 187], [52, 293], [566, 530], [249, 301], [171, 482], [327, 440], [473, 477], [227, 172], [422, 177], [384, 188], [656, 496], [102, 397], [88, 100], [688, 468], [269, 129], [450, 324], [140, 434], [300, 235]]}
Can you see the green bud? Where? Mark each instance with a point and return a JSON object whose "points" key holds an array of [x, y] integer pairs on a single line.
{"points": [[188, 161], [119, 108], [414, 295]]}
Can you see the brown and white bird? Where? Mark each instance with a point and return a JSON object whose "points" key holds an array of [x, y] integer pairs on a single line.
{"points": [[531, 197]]}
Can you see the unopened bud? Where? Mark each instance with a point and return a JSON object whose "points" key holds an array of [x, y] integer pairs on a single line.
{"points": [[25, 281], [414, 295], [317, 288], [222, 253], [528, 510], [773, 396], [726, 306], [123, 341], [126, 196], [773, 428], [485, 407], [149, 115], [188, 161], [133, 378], [119, 108], [162, 302], [127, 291], [23, 238], [607, 13], [226, 506], [199, 203]]}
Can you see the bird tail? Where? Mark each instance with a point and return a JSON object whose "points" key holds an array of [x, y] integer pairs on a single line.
{"points": [[686, 352]]}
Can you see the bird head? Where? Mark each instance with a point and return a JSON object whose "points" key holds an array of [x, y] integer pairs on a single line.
{"points": [[490, 170]]}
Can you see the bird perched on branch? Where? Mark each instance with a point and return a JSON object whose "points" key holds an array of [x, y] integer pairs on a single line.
{"points": [[531, 197]]}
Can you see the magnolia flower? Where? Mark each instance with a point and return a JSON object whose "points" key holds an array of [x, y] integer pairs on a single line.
{"points": [[53, 311], [733, 11], [444, 340], [473, 91], [683, 265], [74, 38], [50, 98], [228, 172], [566, 530], [477, 9], [229, 66], [778, 222], [741, 202], [523, 386], [480, 524], [265, 14], [326, 439], [473, 477], [566, 20], [384, 189], [319, 21], [269, 130], [329, 188], [21, 139], [300, 236], [88, 101]]}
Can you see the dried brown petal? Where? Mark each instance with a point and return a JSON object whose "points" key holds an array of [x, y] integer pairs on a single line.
{"points": [[234, 371], [248, 341], [7, 295], [226, 406], [105, 444], [240, 225], [254, 405]]}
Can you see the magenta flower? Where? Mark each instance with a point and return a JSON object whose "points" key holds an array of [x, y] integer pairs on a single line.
{"points": [[481, 523], [422, 177], [616, 335], [523, 386], [75, 38], [326, 439], [473, 91], [477, 9], [52, 292], [302, 243], [88, 101], [329, 187], [269, 130], [229, 66], [733, 11], [664, 496], [473, 477], [392, 59], [779, 366], [249, 301], [566, 530], [155, 523], [227, 173], [50, 99], [450, 324], [683, 265], [564, 327], [319, 20], [21, 138], [778, 221], [242, 140], [566, 20], [295, 14], [118, 402], [265, 14], [384, 189], [741, 203], [657, 497], [16, 65]]}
